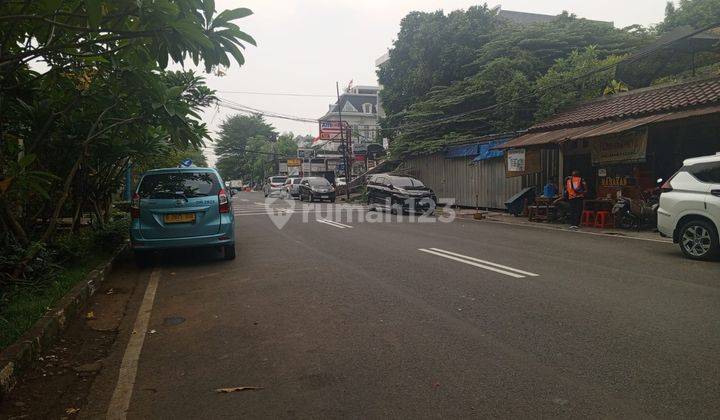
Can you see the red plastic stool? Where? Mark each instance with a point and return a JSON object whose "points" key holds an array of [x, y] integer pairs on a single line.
{"points": [[588, 218], [602, 219]]}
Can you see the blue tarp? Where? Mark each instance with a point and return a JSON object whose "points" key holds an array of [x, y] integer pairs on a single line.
{"points": [[478, 151], [465, 150], [487, 152]]}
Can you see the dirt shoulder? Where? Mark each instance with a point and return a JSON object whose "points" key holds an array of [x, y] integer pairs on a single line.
{"points": [[57, 385]]}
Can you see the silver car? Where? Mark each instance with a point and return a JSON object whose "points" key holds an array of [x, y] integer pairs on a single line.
{"points": [[292, 187]]}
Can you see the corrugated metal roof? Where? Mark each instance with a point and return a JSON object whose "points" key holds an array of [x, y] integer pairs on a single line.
{"points": [[603, 129], [546, 137]]}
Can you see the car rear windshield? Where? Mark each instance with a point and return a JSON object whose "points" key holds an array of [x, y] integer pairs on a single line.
{"points": [[706, 172], [278, 179], [182, 184], [403, 182], [296, 180], [319, 182]]}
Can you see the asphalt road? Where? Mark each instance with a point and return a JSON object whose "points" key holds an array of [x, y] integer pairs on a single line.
{"points": [[392, 319]]}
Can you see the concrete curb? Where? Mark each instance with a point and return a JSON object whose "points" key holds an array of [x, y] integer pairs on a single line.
{"points": [[19, 355]]}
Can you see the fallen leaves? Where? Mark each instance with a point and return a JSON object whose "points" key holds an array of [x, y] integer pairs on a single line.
{"points": [[72, 410], [90, 315], [238, 389]]}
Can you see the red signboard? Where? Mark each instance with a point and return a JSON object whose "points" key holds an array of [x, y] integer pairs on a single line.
{"points": [[332, 126]]}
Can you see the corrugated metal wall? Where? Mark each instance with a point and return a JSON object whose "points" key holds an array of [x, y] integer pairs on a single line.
{"points": [[550, 164], [484, 182]]}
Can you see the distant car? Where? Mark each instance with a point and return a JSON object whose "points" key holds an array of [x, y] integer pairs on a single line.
{"points": [[689, 211], [340, 181], [273, 185], [292, 187], [399, 194], [316, 188], [181, 208]]}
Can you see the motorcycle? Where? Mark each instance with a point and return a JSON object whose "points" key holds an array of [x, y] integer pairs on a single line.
{"points": [[638, 214]]}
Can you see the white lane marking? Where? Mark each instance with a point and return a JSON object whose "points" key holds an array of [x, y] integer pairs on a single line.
{"points": [[464, 261], [526, 273], [120, 401], [334, 223], [265, 214]]}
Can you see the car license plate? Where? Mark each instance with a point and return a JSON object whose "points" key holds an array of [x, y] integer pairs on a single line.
{"points": [[324, 196], [180, 218]]}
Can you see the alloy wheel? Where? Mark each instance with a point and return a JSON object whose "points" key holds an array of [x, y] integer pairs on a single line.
{"points": [[697, 240]]}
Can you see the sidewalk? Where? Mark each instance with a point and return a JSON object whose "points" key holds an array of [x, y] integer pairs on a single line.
{"points": [[502, 217]]}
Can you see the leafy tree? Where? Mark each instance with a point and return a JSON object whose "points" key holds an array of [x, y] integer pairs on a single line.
{"points": [[695, 13], [231, 146], [100, 100], [432, 49], [502, 91], [556, 93]]}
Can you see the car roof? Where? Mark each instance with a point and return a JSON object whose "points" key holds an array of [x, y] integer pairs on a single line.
{"points": [[183, 169], [702, 159]]}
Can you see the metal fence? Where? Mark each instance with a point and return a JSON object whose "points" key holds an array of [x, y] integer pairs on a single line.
{"points": [[481, 184]]}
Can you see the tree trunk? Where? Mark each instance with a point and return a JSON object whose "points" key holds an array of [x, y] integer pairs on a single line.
{"points": [[15, 226], [98, 213], [77, 215], [50, 230]]}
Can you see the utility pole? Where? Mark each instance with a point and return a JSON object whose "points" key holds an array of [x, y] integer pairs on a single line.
{"points": [[344, 144]]}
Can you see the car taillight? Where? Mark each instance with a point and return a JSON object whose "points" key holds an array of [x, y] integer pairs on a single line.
{"points": [[223, 202], [667, 186], [135, 206]]}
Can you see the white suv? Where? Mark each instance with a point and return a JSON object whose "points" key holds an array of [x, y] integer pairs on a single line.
{"points": [[690, 207]]}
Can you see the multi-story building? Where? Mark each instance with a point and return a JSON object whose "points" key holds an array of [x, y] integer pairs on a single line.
{"points": [[360, 109]]}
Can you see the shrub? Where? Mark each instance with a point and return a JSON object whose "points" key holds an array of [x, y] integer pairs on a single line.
{"points": [[114, 233]]}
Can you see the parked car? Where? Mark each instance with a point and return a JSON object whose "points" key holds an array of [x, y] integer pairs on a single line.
{"points": [[181, 208], [274, 184], [316, 188], [292, 187], [399, 194], [689, 209], [340, 181]]}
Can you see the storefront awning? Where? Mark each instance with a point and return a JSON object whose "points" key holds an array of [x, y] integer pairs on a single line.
{"points": [[602, 129], [546, 137]]}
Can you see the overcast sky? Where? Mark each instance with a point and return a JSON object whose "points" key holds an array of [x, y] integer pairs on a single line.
{"points": [[305, 46]]}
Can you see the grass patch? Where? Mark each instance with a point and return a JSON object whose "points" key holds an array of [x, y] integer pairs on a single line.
{"points": [[29, 303]]}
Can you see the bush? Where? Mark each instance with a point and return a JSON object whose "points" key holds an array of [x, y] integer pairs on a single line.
{"points": [[114, 233], [71, 247], [41, 268]]}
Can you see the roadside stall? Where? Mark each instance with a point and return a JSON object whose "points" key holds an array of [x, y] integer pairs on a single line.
{"points": [[622, 146]]}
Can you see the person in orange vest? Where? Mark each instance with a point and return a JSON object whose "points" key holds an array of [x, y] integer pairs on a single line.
{"points": [[575, 190]]}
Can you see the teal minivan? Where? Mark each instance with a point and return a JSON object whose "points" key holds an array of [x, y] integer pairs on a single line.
{"points": [[181, 208]]}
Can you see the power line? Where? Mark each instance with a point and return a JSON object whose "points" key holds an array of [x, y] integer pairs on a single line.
{"points": [[309, 95], [629, 59], [250, 110]]}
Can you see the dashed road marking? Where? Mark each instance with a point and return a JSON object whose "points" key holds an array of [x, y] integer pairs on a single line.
{"points": [[475, 262], [334, 224]]}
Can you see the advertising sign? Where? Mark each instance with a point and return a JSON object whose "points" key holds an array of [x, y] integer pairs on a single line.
{"points": [[625, 147], [305, 153], [294, 162], [332, 126], [516, 160]]}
